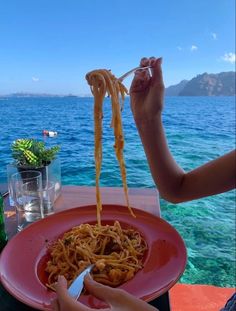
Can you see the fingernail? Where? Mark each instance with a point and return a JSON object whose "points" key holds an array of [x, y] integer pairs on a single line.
{"points": [[60, 279], [152, 60], [144, 61], [89, 276]]}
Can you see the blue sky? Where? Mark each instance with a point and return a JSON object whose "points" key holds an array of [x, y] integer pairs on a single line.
{"points": [[49, 45]]}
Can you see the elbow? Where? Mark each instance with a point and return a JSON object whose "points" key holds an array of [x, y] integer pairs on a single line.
{"points": [[174, 191], [172, 198]]}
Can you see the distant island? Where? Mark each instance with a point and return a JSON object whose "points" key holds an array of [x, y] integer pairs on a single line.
{"points": [[220, 84], [206, 84], [25, 94]]}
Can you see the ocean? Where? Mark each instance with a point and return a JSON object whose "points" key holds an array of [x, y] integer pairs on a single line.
{"points": [[198, 129]]}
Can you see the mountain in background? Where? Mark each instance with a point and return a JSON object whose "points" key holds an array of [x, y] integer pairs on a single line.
{"points": [[220, 84], [174, 90]]}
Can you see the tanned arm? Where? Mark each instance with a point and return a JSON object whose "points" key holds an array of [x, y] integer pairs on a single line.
{"points": [[174, 185]]}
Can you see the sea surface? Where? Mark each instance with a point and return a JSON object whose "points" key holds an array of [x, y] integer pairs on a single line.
{"points": [[198, 129]]}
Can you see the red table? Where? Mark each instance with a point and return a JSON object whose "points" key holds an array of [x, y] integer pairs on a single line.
{"points": [[75, 196]]}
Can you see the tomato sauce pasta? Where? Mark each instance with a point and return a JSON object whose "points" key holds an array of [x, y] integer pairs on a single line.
{"points": [[117, 254]]}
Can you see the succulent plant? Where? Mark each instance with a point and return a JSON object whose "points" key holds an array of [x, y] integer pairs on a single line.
{"points": [[32, 153]]}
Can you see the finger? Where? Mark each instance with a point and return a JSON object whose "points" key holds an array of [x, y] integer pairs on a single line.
{"points": [[117, 298], [64, 300], [152, 61], [141, 81], [55, 305], [139, 85], [157, 71], [61, 287], [103, 292], [142, 74], [144, 62], [142, 78]]}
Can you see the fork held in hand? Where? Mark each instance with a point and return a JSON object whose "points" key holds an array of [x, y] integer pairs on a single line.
{"points": [[131, 71]]}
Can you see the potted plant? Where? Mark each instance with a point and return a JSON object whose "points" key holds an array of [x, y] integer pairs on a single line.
{"points": [[32, 154]]}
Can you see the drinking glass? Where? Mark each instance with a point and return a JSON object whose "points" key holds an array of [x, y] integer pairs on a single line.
{"points": [[48, 196], [26, 190]]}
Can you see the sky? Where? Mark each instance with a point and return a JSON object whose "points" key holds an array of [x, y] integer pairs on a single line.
{"points": [[48, 46]]}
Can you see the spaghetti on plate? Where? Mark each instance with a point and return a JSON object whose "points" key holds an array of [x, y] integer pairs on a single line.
{"points": [[117, 254]]}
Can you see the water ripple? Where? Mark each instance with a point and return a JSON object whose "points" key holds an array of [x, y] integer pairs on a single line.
{"points": [[198, 129]]}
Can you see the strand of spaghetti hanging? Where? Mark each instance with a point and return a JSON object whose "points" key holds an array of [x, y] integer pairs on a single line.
{"points": [[103, 82]]}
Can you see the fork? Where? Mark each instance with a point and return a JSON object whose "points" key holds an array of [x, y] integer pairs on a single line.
{"points": [[131, 71], [77, 285]]}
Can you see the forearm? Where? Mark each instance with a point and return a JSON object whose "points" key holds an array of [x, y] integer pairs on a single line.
{"points": [[172, 182], [212, 178], [167, 174]]}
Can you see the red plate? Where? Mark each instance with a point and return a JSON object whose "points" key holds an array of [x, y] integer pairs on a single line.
{"points": [[22, 261]]}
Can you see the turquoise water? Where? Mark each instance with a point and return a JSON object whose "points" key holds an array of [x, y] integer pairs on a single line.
{"points": [[198, 129]]}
